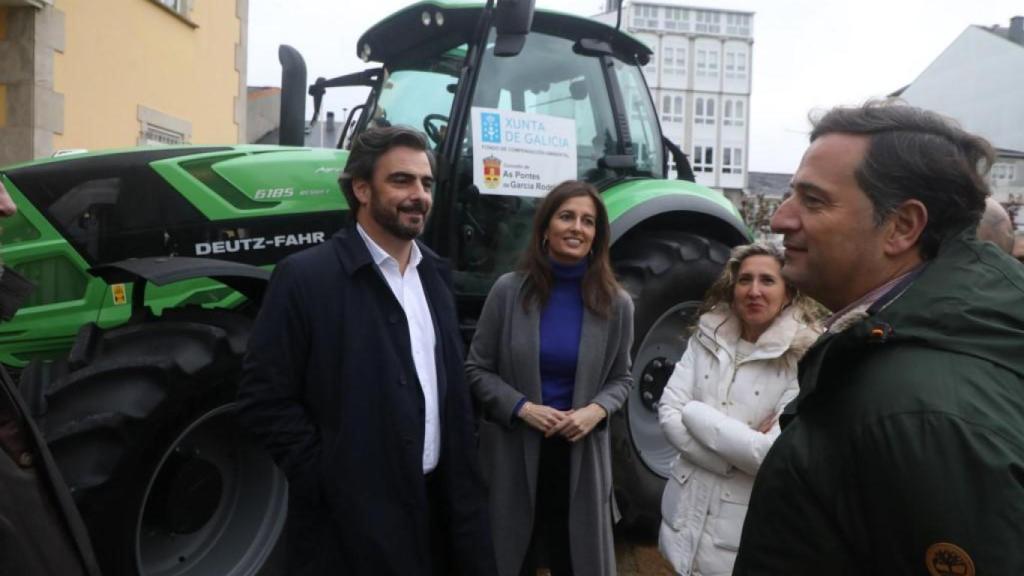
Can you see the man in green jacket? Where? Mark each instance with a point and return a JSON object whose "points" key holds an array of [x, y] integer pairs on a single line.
{"points": [[904, 452]]}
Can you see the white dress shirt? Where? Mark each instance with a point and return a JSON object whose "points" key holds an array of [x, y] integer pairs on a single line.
{"points": [[408, 290]]}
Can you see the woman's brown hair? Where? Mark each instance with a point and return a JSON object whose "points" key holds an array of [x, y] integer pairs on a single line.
{"points": [[599, 284]]}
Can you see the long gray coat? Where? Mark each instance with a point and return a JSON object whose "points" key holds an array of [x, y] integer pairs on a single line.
{"points": [[503, 367]]}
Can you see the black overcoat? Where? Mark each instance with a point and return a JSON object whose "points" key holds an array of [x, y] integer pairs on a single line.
{"points": [[329, 387]]}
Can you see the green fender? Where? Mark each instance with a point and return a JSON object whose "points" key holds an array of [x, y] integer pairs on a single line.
{"points": [[674, 204]]}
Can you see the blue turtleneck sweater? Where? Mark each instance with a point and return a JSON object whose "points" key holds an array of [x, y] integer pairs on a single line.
{"points": [[561, 322]]}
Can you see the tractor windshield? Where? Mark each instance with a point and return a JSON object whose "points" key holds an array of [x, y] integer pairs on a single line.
{"points": [[419, 93], [549, 78]]}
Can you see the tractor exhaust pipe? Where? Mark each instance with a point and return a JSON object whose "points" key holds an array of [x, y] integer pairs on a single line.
{"points": [[293, 97]]}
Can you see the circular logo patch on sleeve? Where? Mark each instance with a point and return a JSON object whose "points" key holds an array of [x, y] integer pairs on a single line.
{"points": [[945, 559]]}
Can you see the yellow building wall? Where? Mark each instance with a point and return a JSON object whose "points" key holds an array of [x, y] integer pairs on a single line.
{"points": [[3, 105], [120, 54]]}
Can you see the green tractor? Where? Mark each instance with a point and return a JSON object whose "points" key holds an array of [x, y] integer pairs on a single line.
{"points": [[149, 265]]}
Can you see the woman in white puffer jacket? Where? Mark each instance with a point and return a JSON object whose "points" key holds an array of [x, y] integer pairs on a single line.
{"points": [[721, 406]]}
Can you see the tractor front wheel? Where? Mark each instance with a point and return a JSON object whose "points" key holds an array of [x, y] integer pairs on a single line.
{"points": [[144, 433], [666, 273]]}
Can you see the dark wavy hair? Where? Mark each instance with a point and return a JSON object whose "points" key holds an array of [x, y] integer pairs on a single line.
{"points": [[920, 155], [368, 147], [599, 284], [724, 288]]}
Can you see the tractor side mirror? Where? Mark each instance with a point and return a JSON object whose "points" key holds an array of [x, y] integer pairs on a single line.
{"points": [[683, 169], [512, 23]]}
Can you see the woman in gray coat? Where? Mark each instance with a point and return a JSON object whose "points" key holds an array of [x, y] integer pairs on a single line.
{"points": [[548, 364]]}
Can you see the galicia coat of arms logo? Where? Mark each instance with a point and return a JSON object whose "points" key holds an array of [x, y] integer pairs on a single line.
{"points": [[490, 127], [492, 172]]}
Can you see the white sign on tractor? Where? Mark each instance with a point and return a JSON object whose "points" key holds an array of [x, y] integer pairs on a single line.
{"points": [[520, 154]]}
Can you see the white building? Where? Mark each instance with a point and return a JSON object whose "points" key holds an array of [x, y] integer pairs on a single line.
{"points": [[699, 78], [978, 81]]}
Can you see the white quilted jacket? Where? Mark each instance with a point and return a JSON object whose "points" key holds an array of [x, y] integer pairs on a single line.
{"points": [[710, 411]]}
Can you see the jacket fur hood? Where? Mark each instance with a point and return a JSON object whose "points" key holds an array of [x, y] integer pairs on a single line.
{"points": [[789, 335]]}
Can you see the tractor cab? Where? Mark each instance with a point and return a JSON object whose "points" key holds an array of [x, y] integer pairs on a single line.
{"points": [[509, 115]]}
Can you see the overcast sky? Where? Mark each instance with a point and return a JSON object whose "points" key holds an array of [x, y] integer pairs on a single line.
{"points": [[808, 54]]}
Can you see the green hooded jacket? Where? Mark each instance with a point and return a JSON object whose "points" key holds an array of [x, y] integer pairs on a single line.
{"points": [[904, 453]]}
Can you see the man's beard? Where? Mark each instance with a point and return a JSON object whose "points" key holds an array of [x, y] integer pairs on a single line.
{"points": [[391, 221]]}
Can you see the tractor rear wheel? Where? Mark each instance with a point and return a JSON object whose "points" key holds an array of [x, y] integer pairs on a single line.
{"points": [[144, 433], [666, 272]]}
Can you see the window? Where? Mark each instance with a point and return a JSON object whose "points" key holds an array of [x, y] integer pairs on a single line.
{"points": [[645, 16], [732, 161], [741, 65], [736, 65], [703, 159], [110, 213], [704, 111], [730, 64], [157, 128], [702, 25], [677, 19], [643, 120], [714, 20], [708, 22], [671, 108], [180, 6], [570, 86], [56, 277], [674, 60], [732, 113], [155, 135], [400, 102], [737, 24], [1002, 173], [707, 63]]}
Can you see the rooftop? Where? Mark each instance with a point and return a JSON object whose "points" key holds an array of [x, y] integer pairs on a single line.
{"points": [[1008, 153], [768, 184], [1014, 32]]}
